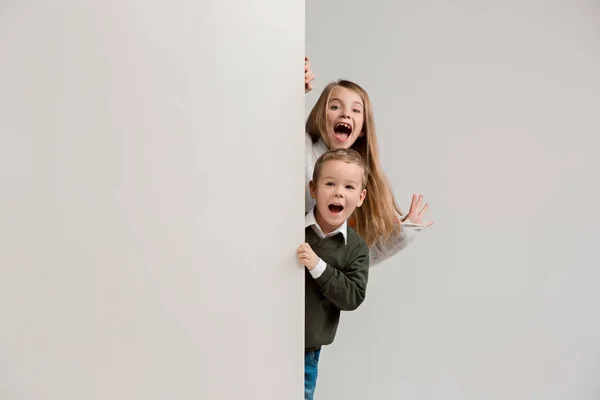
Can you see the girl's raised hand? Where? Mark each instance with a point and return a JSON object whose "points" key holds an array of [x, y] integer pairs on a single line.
{"points": [[416, 213], [308, 76]]}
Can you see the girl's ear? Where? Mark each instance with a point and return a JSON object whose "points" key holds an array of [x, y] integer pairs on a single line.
{"points": [[311, 187]]}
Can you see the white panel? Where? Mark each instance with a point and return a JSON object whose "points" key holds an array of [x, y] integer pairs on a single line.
{"points": [[151, 199]]}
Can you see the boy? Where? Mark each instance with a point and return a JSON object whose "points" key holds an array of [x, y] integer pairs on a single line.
{"points": [[335, 256]]}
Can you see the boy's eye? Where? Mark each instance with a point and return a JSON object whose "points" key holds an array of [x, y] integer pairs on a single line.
{"points": [[329, 183]]}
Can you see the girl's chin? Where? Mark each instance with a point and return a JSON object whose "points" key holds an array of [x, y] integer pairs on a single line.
{"points": [[341, 145]]}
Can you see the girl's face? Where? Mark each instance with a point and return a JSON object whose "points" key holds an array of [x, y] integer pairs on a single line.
{"points": [[345, 118]]}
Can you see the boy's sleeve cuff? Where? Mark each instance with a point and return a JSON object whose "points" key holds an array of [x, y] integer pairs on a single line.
{"points": [[319, 269]]}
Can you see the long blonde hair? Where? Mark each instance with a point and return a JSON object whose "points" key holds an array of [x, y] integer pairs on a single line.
{"points": [[376, 218]]}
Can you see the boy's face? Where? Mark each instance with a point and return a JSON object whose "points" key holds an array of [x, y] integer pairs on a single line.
{"points": [[338, 191]]}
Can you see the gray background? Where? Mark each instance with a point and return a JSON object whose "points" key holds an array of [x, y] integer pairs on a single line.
{"points": [[147, 231], [492, 111]]}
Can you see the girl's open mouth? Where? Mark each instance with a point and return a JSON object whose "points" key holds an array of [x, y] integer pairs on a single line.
{"points": [[342, 131]]}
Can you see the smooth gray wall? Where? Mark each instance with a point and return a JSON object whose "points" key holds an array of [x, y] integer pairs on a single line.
{"points": [[491, 110], [147, 230]]}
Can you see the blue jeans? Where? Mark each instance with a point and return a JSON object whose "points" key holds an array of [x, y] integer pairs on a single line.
{"points": [[311, 369]]}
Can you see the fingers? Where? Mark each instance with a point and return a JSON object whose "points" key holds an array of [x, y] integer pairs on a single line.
{"points": [[304, 254], [419, 200], [416, 203], [309, 76], [307, 87], [308, 82], [307, 68], [304, 249], [413, 203], [304, 246]]}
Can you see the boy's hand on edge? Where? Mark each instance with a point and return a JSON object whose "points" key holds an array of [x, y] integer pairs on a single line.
{"points": [[307, 257]]}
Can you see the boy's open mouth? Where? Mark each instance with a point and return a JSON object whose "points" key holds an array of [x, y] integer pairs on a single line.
{"points": [[342, 131], [336, 208]]}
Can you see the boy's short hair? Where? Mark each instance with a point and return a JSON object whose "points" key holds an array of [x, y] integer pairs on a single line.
{"points": [[348, 156]]}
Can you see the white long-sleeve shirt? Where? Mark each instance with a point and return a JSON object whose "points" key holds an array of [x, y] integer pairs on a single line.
{"points": [[384, 248]]}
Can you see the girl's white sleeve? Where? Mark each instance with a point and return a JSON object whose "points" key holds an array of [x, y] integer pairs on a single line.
{"points": [[388, 247]]}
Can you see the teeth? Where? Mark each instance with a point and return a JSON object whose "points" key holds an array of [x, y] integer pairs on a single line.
{"points": [[345, 125]]}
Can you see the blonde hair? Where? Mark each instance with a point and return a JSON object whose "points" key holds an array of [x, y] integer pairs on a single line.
{"points": [[348, 156], [376, 218]]}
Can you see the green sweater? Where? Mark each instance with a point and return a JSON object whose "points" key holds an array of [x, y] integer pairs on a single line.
{"points": [[341, 287]]}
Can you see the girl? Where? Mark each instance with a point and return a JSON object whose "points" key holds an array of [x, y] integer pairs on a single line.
{"points": [[343, 118]]}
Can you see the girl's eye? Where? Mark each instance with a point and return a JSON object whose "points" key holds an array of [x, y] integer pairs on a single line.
{"points": [[356, 110], [334, 107], [350, 187]]}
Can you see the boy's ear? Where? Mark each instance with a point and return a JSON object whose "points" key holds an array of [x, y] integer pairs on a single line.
{"points": [[311, 188], [362, 197]]}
